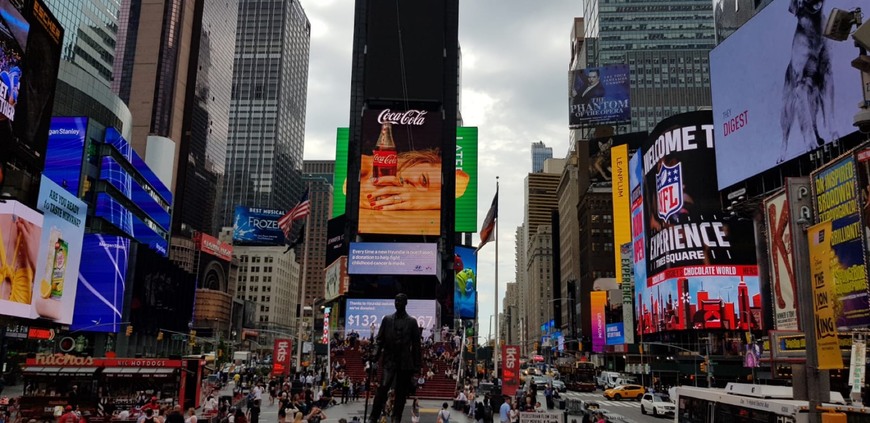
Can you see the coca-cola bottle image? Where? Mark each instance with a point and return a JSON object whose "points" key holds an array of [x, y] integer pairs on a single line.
{"points": [[385, 159]]}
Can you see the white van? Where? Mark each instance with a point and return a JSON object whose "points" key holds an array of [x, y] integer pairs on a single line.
{"points": [[607, 379]]}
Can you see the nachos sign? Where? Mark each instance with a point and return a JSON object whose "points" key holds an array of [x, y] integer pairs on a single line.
{"points": [[669, 190]]}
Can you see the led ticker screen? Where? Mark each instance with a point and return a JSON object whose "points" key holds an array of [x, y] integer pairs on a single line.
{"points": [[363, 315], [65, 152], [102, 279], [111, 210], [466, 179], [400, 192], [257, 226], [393, 258], [114, 174]]}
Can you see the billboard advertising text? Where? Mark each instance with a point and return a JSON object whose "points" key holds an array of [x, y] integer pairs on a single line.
{"points": [[211, 245], [765, 110], [102, 280], [822, 259], [783, 280], [465, 286], [393, 258], [638, 246], [466, 187], [615, 334], [20, 234], [697, 261], [282, 357], [599, 96], [30, 44], [65, 151], [335, 238], [621, 208], [835, 188], [510, 356], [400, 172], [364, 315], [598, 303], [60, 252], [257, 226]]}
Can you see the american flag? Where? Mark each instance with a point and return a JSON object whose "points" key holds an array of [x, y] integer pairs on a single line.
{"points": [[300, 211]]}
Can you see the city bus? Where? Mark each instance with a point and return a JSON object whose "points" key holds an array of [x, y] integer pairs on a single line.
{"points": [[740, 402]]}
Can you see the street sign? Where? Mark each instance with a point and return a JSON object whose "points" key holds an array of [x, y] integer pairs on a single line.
{"points": [[530, 417]]}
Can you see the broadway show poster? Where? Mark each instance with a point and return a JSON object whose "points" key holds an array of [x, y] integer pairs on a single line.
{"points": [[825, 301], [599, 96], [465, 286], [835, 188], [400, 172], [783, 281], [257, 226], [701, 270]]}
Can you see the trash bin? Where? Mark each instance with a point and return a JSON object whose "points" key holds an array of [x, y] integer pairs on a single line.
{"points": [[563, 404]]}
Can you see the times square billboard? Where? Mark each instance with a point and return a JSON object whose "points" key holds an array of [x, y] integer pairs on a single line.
{"points": [[701, 270], [257, 226], [766, 112]]}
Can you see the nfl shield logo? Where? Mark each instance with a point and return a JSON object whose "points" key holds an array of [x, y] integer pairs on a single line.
{"points": [[669, 189]]}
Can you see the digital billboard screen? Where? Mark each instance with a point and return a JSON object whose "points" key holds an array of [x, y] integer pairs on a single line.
{"points": [[638, 245], [599, 96], [335, 239], [765, 111], [601, 153], [339, 191], [465, 286], [335, 279], [835, 189], [65, 152], [598, 303], [363, 315], [144, 198], [393, 258], [615, 333], [701, 270], [257, 226], [102, 281], [162, 295], [20, 235], [400, 172], [466, 186]]}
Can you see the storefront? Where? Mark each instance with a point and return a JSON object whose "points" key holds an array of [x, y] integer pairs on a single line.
{"points": [[103, 388]]}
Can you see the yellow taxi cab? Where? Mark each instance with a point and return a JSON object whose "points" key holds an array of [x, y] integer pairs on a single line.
{"points": [[625, 391]]}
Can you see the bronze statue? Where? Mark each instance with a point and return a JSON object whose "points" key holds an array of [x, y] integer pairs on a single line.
{"points": [[398, 343]]}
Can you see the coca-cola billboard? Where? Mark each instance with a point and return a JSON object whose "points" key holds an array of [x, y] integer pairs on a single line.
{"points": [[281, 356], [400, 172]]}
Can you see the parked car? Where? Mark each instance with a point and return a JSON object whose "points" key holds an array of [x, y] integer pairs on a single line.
{"points": [[625, 391], [559, 385], [658, 403]]}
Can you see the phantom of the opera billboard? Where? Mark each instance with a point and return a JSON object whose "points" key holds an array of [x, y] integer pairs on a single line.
{"points": [[599, 96], [701, 270]]}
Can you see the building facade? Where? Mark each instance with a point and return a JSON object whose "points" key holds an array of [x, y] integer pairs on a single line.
{"points": [[269, 278], [595, 215], [267, 109], [666, 45], [317, 177], [540, 153]]}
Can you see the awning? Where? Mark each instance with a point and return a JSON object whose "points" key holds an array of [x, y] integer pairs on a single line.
{"points": [[39, 370], [81, 371], [120, 370], [157, 371]]}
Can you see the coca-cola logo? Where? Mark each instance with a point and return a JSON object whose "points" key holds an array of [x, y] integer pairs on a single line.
{"points": [[409, 117], [386, 158]]}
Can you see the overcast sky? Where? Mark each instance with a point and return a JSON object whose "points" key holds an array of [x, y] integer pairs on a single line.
{"points": [[515, 56]]}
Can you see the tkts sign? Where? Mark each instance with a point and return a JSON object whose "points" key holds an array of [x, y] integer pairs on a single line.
{"points": [[281, 357], [410, 117], [510, 369]]}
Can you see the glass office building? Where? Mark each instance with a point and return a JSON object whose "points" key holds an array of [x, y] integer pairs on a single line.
{"points": [[665, 43], [267, 109], [540, 153]]}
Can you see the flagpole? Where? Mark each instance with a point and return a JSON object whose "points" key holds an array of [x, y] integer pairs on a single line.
{"points": [[497, 345], [299, 334]]}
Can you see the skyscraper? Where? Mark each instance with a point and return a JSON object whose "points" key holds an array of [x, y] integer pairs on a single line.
{"points": [[267, 110], [540, 153], [665, 43], [318, 179]]}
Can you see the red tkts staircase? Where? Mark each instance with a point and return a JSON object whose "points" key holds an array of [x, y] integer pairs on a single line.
{"points": [[439, 387]]}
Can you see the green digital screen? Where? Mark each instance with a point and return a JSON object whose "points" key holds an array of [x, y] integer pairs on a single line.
{"points": [[466, 162], [339, 191]]}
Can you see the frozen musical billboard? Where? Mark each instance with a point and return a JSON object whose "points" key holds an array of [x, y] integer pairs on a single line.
{"points": [[701, 270]]}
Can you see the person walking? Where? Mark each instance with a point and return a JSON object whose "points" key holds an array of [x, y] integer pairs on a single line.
{"points": [[504, 410]]}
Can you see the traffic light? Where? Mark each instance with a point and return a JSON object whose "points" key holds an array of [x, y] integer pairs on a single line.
{"points": [[192, 338], [160, 335], [469, 346], [129, 330], [703, 367]]}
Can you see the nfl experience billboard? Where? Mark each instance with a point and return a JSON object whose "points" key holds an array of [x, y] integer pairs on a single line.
{"points": [[762, 103], [599, 96], [465, 286], [466, 179], [835, 189], [393, 258], [701, 270], [257, 226], [102, 280], [363, 315], [400, 179]]}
